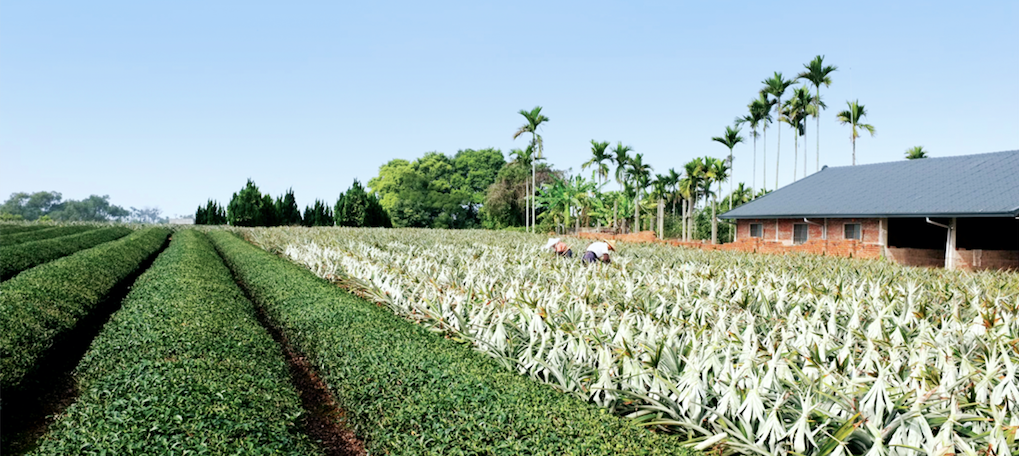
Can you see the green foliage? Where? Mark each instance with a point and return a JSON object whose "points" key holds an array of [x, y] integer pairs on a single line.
{"points": [[211, 214], [287, 211], [41, 304], [37, 205], [356, 208], [437, 191], [19, 257], [10, 228], [31, 206], [188, 368], [318, 215], [6, 217], [505, 198], [245, 208], [92, 209], [409, 390], [46, 233]]}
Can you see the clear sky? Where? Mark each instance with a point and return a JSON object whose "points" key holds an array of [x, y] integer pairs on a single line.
{"points": [[170, 103]]}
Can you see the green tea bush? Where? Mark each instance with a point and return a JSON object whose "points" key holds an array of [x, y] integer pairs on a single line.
{"points": [[11, 228], [19, 257], [409, 390], [41, 304], [183, 367], [45, 233]]}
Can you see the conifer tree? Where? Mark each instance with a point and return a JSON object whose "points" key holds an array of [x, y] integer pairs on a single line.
{"points": [[287, 210], [245, 206]]}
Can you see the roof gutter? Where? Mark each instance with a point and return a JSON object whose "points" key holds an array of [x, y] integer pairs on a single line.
{"points": [[938, 224]]}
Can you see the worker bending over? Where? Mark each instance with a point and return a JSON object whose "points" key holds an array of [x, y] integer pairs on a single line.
{"points": [[599, 251], [559, 247]]}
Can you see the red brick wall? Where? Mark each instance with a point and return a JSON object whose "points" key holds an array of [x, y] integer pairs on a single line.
{"points": [[917, 257], [975, 260], [870, 229]]}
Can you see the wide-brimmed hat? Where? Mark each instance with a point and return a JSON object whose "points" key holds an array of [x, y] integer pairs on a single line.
{"points": [[611, 243], [551, 242]]}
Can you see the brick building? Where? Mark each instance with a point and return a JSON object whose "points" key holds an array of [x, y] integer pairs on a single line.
{"points": [[957, 212]]}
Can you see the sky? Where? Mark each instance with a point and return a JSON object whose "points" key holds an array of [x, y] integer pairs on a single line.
{"points": [[169, 104]]}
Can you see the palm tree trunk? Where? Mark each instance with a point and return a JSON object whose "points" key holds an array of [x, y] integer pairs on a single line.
{"points": [[714, 220], [778, 151], [804, 148], [661, 218], [796, 150], [636, 212], [764, 160], [533, 201], [754, 179], [732, 172], [817, 127]]}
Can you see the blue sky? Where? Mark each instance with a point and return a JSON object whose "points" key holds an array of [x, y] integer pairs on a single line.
{"points": [[170, 103]]}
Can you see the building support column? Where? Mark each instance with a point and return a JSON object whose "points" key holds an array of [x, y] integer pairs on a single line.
{"points": [[950, 246], [882, 236]]}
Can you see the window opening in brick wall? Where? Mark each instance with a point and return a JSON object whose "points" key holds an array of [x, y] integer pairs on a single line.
{"points": [[853, 231], [756, 230], [800, 233]]}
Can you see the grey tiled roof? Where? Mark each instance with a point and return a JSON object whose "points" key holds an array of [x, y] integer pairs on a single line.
{"points": [[982, 185]]}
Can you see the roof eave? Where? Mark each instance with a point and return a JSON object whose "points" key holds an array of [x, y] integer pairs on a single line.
{"points": [[913, 215]]}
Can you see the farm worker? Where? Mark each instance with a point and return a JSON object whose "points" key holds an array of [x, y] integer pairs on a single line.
{"points": [[599, 251], [559, 247]]}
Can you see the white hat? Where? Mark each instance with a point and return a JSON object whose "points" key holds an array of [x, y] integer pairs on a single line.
{"points": [[551, 243]]}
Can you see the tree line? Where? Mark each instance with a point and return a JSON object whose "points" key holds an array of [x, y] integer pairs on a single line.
{"points": [[249, 207], [50, 206], [481, 189]]}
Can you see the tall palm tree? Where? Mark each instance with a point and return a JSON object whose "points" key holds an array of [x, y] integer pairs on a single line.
{"points": [[741, 195], [640, 175], [673, 181], [599, 155], [660, 191], [692, 187], [916, 152], [534, 121], [818, 73], [797, 108], [716, 171], [525, 158], [776, 87], [853, 115], [621, 160], [758, 113], [730, 140]]}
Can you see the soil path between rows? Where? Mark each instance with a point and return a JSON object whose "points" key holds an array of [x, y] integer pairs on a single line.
{"points": [[325, 422], [27, 413]]}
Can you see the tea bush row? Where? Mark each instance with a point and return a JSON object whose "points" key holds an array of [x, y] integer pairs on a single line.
{"points": [[183, 367], [11, 228], [45, 233], [43, 303], [19, 257]]}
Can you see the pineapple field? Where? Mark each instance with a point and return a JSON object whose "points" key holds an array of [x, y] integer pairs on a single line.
{"points": [[481, 342], [735, 352]]}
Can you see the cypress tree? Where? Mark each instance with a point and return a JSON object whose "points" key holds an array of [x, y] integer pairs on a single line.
{"points": [[245, 206], [309, 216], [287, 210], [200, 215], [267, 212]]}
